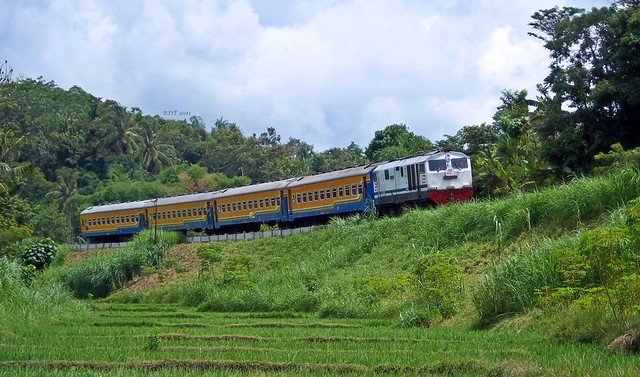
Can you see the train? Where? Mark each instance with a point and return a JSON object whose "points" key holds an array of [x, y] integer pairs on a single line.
{"points": [[387, 187]]}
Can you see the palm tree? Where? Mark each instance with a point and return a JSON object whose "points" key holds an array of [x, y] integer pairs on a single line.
{"points": [[122, 136], [7, 145], [152, 155], [65, 188]]}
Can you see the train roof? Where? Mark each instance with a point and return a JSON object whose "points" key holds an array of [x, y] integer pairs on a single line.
{"points": [[114, 207], [251, 189], [417, 159], [333, 175], [188, 198]]}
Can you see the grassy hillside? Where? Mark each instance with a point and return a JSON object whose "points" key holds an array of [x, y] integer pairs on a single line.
{"points": [[419, 269], [550, 278]]}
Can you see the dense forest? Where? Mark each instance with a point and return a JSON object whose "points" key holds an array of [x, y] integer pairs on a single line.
{"points": [[64, 150]]}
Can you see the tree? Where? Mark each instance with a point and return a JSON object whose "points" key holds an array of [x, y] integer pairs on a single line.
{"points": [[222, 149], [338, 158], [514, 161], [594, 74], [470, 139], [64, 189], [121, 132], [396, 141], [5, 73], [153, 157]]}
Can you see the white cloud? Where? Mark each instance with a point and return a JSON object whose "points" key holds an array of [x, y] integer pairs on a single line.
{"points": [[511, 62]]}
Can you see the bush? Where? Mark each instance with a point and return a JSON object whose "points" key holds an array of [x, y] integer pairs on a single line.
{"points": [[209, 254], [39, 252]]}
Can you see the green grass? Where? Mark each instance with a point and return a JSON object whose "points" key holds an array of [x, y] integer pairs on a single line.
{"points": [[99, 276], [362, 268], [137, 340], [343, 299]]}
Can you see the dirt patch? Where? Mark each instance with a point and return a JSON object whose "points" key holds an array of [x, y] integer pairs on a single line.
{"points": [[77, 256], [181, 262]]}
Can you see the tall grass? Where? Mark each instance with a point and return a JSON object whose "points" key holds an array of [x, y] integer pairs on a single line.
{"points": [[360, 267], [101, 275], [512, 285], [20, 302]]}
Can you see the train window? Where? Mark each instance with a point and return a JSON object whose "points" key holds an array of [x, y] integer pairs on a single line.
{"points": [[255, 204], [459, 163], [184, 213], [360, 189], [163, 215], [421, 168], [335, 192], [315, 195], [346, 190], [437, 165], [244, 205], [321, 194], [328, 191], [304, 197], [354, 189], [298, 197], [340, 191], [278, 201], [386, 174], [402, 171], [137, 218], [261, 203], [173, 214], [250, 204], [273, 202]]}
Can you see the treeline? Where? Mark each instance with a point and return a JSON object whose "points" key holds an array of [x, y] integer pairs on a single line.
{"points": [[63, 150]]}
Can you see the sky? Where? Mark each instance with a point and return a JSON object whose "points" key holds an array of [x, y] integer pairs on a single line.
{"points": [[327, 72]]}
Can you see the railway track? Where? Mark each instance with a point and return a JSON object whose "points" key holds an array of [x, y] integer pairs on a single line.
{"points": [[203, 239]]}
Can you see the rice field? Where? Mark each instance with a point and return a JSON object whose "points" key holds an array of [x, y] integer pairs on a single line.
{"points": [[156, 340]]}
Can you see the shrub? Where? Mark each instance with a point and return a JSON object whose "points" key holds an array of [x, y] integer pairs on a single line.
{"points": [[438, 283], [209, 254], [38, 252]]}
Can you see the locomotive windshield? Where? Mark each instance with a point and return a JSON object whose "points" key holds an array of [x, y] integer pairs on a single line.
{"points": [[459, 163], [437, 165]]}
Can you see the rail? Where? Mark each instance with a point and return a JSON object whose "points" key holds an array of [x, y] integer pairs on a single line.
{"points": [[204, 239]]}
